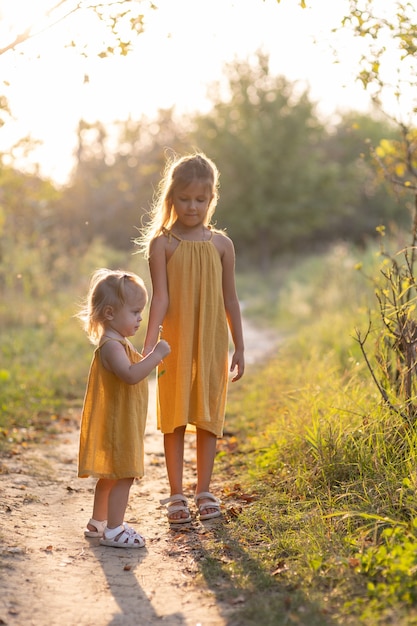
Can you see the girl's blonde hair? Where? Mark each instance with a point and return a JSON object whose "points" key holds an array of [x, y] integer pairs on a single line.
{"points": [[108, 288], [179, 173]]}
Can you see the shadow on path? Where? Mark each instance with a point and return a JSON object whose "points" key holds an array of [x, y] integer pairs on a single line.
{"points": [[122, 570]]}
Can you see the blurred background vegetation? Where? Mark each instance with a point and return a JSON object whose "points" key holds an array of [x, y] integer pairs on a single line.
{"points": [[291, 189]]}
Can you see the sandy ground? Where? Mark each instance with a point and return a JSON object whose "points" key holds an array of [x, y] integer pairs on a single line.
{"points": [[51, 575]]}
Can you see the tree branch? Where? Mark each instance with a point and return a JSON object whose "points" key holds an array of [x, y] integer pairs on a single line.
{"points": [[381, 390]]}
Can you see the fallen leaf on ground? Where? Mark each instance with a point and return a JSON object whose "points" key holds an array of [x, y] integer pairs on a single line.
{"points": [[281, 567]]}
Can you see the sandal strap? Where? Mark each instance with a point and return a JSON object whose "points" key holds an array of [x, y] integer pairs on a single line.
{"points": [[112, 533], [133, 535], [209, 505], [179, 497], [99, 526], [177, 503], [123, 534], [213, 503], [175, 508], [207, 496]]}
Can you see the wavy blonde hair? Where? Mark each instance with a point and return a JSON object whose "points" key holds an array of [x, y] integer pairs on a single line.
{"points": [[108, 288], [179, 173]]}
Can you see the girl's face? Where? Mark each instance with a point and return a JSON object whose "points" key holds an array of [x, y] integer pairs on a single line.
{"points": [[127, 318], [192, 203]]}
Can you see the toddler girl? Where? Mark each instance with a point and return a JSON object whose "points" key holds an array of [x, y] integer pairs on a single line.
{"points": [[116, 401]]}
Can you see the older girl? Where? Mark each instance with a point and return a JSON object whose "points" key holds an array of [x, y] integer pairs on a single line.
{"points": [[194, 301]]}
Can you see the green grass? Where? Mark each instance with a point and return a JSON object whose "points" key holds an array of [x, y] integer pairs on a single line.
{"points": [[328, 534], [334, 509]]}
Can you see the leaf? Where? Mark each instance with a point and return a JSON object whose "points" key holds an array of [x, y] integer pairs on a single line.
{"points": [[4, 375], [280, 568], [400, 170]]}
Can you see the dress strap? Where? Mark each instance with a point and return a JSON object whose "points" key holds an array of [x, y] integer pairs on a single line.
{"points": [[169, 234], [106, 339]]}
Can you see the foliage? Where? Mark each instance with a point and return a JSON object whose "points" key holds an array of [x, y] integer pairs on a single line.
{"points": [[44, 354], [360, 198], [391, 566], [322, 477], [396, 159], [121, 21], [388, 39], [286, 181], [389, 42], [246, 135], [324, 192], [117, 169], [395, 336]]}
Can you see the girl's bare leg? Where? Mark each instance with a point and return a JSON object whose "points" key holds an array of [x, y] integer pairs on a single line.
{"points": [[206, 451], [101, 500], [117, 502], [174, 459]]}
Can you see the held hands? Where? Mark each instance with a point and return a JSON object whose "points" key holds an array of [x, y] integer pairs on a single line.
{"points": [[162, 349]]}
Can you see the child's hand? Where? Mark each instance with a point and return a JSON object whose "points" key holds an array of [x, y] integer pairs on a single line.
{"points": [[162, 348], [238, 363]]}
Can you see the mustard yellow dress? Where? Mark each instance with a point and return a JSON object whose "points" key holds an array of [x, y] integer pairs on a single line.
{"points": [[193, 378], [113, 422]]}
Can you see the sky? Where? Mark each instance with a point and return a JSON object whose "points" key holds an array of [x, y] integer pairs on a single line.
{"points": [[183, 50]]}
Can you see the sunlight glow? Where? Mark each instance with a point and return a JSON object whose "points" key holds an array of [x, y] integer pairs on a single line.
{"points": [[181, 53]]}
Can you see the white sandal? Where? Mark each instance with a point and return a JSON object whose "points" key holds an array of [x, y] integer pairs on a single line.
{"points": [[213, 504], [122, 537], [99, 528], [176, 508]]}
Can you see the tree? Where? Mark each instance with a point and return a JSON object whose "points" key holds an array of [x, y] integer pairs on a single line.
{"points": [[387, 69], [261, 139], [28, 225], [388, 36], [119, 22], [123, 20], [287, 182], [118, 168], [361, 198]]}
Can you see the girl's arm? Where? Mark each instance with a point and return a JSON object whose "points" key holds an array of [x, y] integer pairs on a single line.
{"points": [[115, 359], [160, 299], [231, 303]]}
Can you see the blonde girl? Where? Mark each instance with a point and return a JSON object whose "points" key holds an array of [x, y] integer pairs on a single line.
{"points": [[115, 403], [194, 302]]}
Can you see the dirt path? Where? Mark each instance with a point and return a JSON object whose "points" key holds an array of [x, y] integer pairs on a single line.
{"points": [[51, 575]]}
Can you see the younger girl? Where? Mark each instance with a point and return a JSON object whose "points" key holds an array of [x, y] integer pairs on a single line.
{"points": [[194, 301], [115, 403]]}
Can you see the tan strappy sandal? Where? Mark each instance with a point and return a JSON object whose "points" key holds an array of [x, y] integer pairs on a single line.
{"points": [[212, 504], [173, 507], [99, 528]]}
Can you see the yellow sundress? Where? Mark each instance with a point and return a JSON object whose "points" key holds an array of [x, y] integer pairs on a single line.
{"points": [[192, 380], [113, 422]]}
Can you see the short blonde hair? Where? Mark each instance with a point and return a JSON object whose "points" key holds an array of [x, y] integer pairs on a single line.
{"points": [[108, 288], [179, 173]]}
